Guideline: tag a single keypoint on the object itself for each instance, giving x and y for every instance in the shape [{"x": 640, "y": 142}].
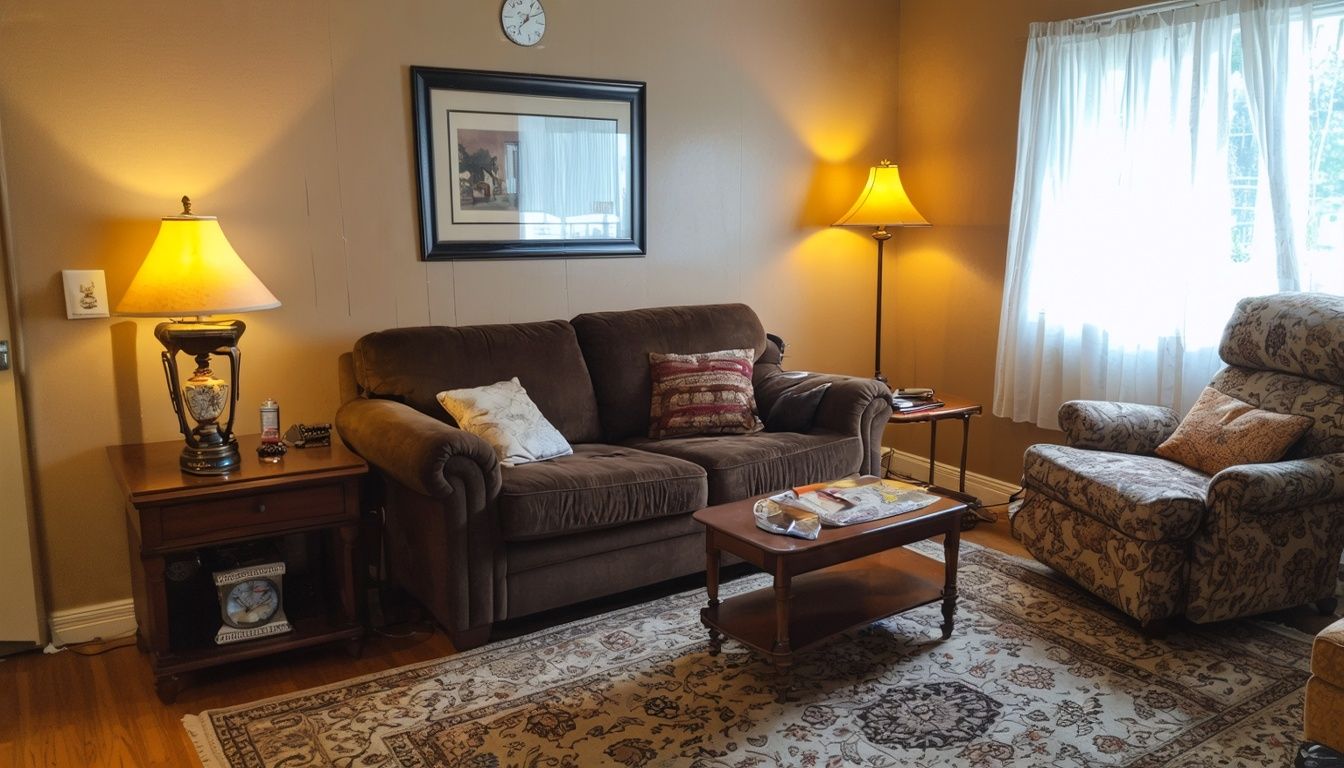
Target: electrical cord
[{"x": 100, "y": 645}]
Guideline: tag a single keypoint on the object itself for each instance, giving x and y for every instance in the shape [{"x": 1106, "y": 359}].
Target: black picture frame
[{"x": 484, "y": 213}]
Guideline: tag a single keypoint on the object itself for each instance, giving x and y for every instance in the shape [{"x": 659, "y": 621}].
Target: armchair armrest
[
  {"x": 1281, "y": 485},
  {"x": 1118, "y": 427},
  {"x": 416, "y": 450}
]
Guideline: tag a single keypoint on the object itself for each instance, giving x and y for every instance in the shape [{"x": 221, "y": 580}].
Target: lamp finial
[
  {"x": 884, "y": 164},
  {"x": 186, "y": 205}
]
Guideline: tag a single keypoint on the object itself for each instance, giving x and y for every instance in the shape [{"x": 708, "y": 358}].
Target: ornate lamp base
[
  {"x": 210, "y": 460},
  {"x": 211, "y": 448}
]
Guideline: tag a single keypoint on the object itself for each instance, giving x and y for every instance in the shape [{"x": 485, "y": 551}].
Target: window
[{"x": 1169, "y": 164}]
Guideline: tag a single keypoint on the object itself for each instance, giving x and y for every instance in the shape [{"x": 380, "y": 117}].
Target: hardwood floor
[{"x": 68, "y": 709}]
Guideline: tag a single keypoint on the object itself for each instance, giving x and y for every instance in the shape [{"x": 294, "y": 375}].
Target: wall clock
[
  {"x": 524, "y": 21},
  {"x": 251, "y": 602}
]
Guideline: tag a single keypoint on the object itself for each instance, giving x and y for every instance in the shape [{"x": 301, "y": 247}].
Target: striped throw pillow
[{"x": 703, "y": 394}]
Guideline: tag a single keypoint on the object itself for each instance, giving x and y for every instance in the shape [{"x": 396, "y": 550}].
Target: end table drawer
[{"x": 260, "y": 513}]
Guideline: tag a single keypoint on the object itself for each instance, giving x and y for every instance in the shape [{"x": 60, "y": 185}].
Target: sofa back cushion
[
  {"x": 413, "y": 365},
  {"x": 1285, "y": 353},
  {"x": 616, "y": 346}
]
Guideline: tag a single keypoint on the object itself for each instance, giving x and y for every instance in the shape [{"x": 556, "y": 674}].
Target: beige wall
[
  {"x": 960, "y": 65},
  {"x": 290, "y": 121}
]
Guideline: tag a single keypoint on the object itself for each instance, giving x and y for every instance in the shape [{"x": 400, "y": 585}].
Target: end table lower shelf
[{"x": 306, "y": 632}]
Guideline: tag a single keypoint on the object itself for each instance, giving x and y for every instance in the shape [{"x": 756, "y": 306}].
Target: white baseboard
[
  {"x": 990, "y": 490},
  {"x": 92, "y": 622}
]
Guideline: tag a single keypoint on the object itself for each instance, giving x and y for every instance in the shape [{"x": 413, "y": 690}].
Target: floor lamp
[{"x": 882, "y": 203}]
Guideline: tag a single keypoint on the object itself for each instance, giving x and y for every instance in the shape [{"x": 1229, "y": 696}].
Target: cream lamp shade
[
  {"x": 191, "y": 270},
  {"x": 883, "y": 202}
]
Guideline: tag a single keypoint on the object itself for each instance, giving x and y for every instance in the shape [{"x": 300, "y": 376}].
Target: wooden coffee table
[{"x": 848, "y": 577}]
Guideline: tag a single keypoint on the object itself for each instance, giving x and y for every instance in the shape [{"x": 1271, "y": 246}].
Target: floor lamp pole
[{"x": 881, "y": 235}]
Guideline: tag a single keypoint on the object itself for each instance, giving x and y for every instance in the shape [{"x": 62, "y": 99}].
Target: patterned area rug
[{"x": 1036, "y": 674}]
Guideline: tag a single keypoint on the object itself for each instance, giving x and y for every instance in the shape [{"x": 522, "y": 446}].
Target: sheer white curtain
[{"x": 1164, "y": 171}]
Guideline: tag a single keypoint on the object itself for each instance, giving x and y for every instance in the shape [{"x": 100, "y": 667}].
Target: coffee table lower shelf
[{"x": 829, "y": 601}]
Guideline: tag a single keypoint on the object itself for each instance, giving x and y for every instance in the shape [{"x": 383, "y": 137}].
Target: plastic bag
[{"x": 776, "y": 518}]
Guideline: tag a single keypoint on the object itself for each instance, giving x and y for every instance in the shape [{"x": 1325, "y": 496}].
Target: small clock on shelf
[
  {"x": 251, "y": 602},
  {"x": 524, "y": 21}
]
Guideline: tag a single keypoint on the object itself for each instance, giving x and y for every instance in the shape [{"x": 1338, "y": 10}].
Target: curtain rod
[
  {"x": 1179, "y": 5},
  {"x": 1144, "y": 10}
]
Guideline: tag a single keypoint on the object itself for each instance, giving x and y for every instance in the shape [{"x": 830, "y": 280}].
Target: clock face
[
  {"x": 524, "y": 21},
  {"x": 251, "y": 603}
]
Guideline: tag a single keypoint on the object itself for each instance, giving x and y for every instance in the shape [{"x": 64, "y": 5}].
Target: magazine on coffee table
[{"x": 853, "y": 500}]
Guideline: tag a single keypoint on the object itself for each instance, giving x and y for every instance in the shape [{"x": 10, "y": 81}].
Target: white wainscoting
[
  {"x": 92, "y": 622},
  {"x": 990, "y": 490}
]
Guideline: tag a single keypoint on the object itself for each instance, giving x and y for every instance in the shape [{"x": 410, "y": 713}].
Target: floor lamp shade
[
  {"x": 190, "y": 273},
  {"x": 882, "y": 203}
]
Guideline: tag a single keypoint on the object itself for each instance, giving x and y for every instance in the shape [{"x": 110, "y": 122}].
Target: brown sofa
[{"x": 477, "y": 543}]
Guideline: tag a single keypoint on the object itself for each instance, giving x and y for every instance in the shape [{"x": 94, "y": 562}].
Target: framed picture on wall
[
  {"x": 528, "y": 166},
  {"x": 85, "y": 293}
]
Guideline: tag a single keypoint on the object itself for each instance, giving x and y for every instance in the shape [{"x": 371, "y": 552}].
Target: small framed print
[{"x": 85, "y": 293}]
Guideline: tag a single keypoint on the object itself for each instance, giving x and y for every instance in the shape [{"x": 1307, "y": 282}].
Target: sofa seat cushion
[
  {"x": 529, "y": 555},
  {"x": 1148, "y": 498},
  {"x": 740, "y": 466},
  {"x": 599, "y": 486}
]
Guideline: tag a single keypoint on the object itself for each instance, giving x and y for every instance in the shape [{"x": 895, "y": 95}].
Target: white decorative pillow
[{"x": 505, "y": 417}]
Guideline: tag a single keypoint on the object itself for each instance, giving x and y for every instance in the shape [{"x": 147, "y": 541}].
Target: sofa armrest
[
  {"x": 1118, "y": 427},
  {"x": 852, "y": 405},
  {"x": 848, "y": 404},
  {"x": 416, "y": 450},
  {"x": 1278, "y": 486}
]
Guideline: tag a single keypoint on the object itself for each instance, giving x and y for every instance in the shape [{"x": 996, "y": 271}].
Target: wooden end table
[
  {"x": 847, "y": 577},
  {"x": 953, "y": 408},
  {"x": 313, "y": 492}
]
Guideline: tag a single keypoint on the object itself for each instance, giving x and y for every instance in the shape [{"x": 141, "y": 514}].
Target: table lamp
[
  {"x": 882, "y": 203},
  {"x": 191, "y": 273}
]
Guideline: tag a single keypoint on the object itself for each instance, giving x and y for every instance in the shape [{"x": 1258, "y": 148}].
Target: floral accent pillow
[
  {"x": 505, "y": 417},
  {"x": 1222, "y": 431},
  {"x": 703, "y": 394}
]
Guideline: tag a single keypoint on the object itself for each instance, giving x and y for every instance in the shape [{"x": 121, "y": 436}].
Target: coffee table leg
[
  {"x": 782, "y": 652},
  {"x": 951, "y": 547},
  {"x": 712, "y": 586}
]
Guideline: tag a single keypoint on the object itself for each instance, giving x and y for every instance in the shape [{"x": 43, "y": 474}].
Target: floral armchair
[{"x": 1157, "y": 539}]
